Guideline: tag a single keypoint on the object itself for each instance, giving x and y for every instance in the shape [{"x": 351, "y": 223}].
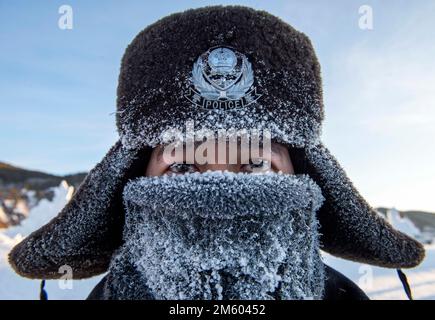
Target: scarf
[{"x": 219, "y": 235}]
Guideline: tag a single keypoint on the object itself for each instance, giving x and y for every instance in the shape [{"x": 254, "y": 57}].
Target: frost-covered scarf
[{"x": 219, "y": 235}]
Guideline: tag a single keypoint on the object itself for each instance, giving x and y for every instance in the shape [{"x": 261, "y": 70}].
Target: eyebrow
[{"x": 274, "y": 148}]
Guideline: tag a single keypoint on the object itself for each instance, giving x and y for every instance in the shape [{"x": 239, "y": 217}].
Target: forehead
[{"x": 276, "y": 149}]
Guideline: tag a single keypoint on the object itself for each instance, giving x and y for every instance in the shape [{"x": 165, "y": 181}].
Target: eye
[
  {"x": 180, "y": 168},
  {"x": 257, "y": 166}
]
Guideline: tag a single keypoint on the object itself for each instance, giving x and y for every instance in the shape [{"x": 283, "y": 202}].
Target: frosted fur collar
[{"x": 219, "y": 236}]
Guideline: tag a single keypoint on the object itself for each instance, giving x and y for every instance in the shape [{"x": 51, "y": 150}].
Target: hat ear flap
[
  {"x": 350, "y": 228},
  {"x": 88, "y": 229}
]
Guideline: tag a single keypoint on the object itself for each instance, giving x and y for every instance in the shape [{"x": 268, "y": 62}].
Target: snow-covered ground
[
  {"x": 381, "y": 283},
  {"x": 384, "y": 284},
  {"x": 378, "y": 283}
]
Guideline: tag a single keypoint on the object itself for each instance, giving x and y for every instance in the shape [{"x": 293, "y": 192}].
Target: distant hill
[
  {"x": 15, "y": 182},
  {"x": 15, "y": 177},
  {"x": 421, "y": 219}
]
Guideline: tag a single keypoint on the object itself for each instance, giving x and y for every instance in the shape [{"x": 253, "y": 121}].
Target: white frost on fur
[{"x": 219, "y": 235}]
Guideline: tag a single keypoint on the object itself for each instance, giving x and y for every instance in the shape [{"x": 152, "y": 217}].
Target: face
[{"x": 276, "y": 159}]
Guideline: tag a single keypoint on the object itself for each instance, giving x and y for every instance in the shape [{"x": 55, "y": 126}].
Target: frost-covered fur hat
[{"x": 222, "y": 67}]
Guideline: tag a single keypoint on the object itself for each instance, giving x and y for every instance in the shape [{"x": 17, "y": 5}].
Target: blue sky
[{"x": 58, "y": 87}]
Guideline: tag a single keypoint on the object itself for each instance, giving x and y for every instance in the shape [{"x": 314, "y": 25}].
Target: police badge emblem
[{"x": 222, "y": 79}]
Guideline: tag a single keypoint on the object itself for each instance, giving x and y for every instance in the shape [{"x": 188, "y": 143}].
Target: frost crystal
[{"x": 219, "y": 235}]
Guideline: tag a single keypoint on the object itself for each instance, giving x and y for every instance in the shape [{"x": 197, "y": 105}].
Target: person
[{"x": 219, "y": 186}]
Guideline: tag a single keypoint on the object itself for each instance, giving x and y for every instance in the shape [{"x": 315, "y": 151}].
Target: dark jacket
[{"x": 337, "y": 287}]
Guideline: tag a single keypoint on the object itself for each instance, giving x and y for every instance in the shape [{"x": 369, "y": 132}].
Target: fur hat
[{"x": 224, "y": 67}]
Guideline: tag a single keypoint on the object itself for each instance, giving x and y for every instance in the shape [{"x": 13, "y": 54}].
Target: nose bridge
[{"x": 221, "y": 167}]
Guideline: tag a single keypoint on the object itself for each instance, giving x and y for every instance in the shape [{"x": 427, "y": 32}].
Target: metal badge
[{"x": 222, "y": 79}]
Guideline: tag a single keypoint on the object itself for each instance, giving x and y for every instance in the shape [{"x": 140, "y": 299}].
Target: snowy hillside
[
  {"x": 16, "y": 287},
  {"x": 378, "y": 283}
]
